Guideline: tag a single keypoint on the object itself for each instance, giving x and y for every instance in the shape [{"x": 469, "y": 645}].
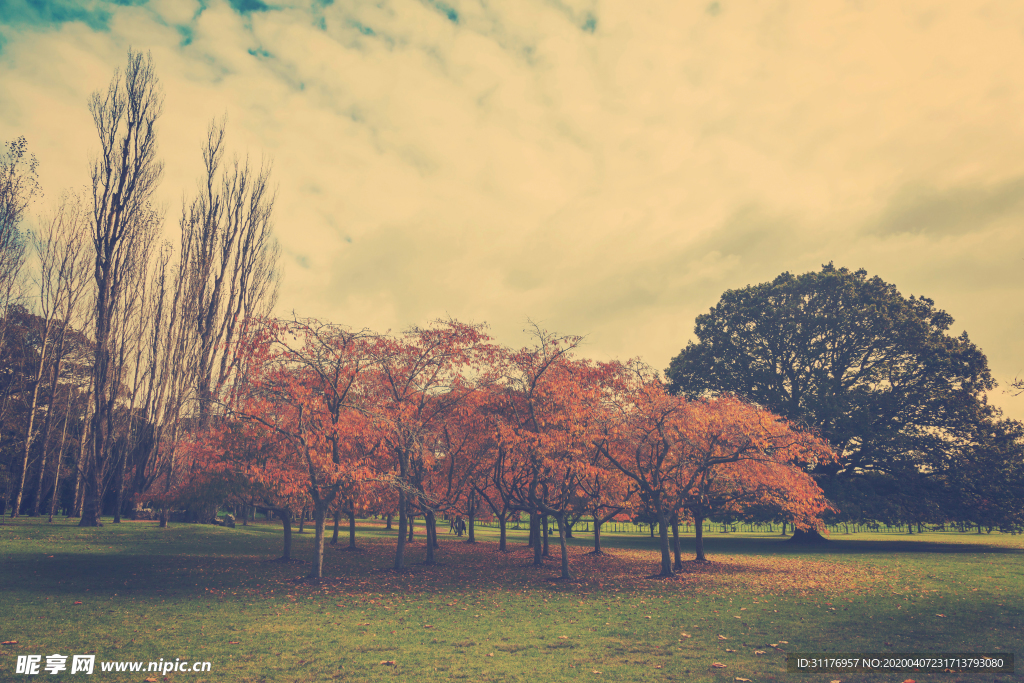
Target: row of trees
[
  {"x": 113, "y": 340},
  {"x": 441, "y": 421}
]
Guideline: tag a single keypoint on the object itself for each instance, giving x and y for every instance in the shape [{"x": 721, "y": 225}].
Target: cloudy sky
[{"x": 604, "y": 168}]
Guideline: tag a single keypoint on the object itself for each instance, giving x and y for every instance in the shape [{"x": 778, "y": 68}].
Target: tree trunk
[
  {"x": 532, "y": 539},
  {"x": 538, "y": 554},
  {"x": 676, "y": 551},
  {"x": 302, "y": 521},
  {"x": 502, "y": 521},
  {"x": 783, "y": 528},
  {"x": 33, "y": 404},
  {"x": 471, "y": 528},
  {"x": 666, "y": 557},
  {"x": 388, "y": 527},
  {"x": 544, "y": 535},
  {"x": 562, "y": 531},
  {"x": 412, "y": 526},
  {"x": 337, "y": 523},
  {"x": 698, "y": 527},
  {"x": 60, "y": 457},
  {"x": 806, "y": 536},
  {"x": 597, "y": 537},
  {"x": 400, "y": 549},
  {"x": 352, "y": 529},
  {"x": 428, "y": 518},
  {"x": 319, "y": 518}
]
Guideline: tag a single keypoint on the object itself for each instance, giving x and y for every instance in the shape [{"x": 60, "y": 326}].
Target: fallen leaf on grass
[
  {"x": 234, "y": 642},
  {"x": 686, "y": 635},
  {"x": 9, "y": 642},
  {"x": 784, "y": 641},
  {"x": 388, "y": 662},
  {"x": 737, "y": 617},
  {"x": 595, "y": 672},
  {"x": 728, "y": 650},
  {"x": 718, "y": 665},
  {"x": 721, "y": 637},
  {"x": 941, "y": 615},
  {"x": 835, "y": 682},
  {"x": 758, "y": 652},
  {"x": 150, "y": 680},
  {"x": 910, "y": 680},
  {"x": 563, "y": 637},
  {"x": 490, "y": 654},
  {"x": 77, "y": 602},
  {"x": 648, "y": 616},
  {"x": 657, "y": 666},
  {"x": 742, "y": 680},
  {"x": 427, "y": 626}
]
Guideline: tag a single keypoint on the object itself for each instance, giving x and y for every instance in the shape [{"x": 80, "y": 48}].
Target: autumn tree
[
  {"x": 550, "y": 425},
  {"x": 419, "y": 379},
  {"x": 734, "y": 455},
  {"x": 303, "y": 380}
]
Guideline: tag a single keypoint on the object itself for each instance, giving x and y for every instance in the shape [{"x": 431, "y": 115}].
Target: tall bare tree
[
  {"x": 233, "y": 260},
  {"x": 124, "y": 177}
]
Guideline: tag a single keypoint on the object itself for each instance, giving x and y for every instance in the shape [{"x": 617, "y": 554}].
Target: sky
[{"x": 605, "y": 169}]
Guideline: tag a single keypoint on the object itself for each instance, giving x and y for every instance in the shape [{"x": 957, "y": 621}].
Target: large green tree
[{"x": 876, "y": 373}]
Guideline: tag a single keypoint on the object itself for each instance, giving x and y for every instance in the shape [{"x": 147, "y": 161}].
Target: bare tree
[
  {"x": 233, "y": 260},
  {"x": 58, "y": 245},
  {"x": 18, "y": 184},
  {"x": 124, "y": 177}
]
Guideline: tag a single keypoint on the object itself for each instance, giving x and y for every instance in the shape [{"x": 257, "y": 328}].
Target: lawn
[{"x": 135, "y": 592}]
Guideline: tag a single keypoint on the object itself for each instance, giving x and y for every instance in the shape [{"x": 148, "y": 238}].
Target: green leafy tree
[{"x": 877, "y": 374}]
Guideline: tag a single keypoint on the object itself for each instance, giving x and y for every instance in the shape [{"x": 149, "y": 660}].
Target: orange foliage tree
[
  {"x": 420, "y": 381},
  {"x": 303, "y": 380},
  {"x": 702, "y": 456},
  {"x": 550, "y": 427}
]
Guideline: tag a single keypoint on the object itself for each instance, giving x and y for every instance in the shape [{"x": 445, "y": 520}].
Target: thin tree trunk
[
  {"x": 666, "y": 556},
  {"x": 538, "y": 552},
  {"x": 428, "y": 517},
  {"x": 676, "y": 551},
  {"x": 471, "y": 528},
  {"x": 352, "y": 529},
  {"x": 400, "y": 549},
  {"x": 544, "y": 535},
  {"x": 412, "y": 526},
  {"x": 302, "y": 521},
  {"x": 60, "y": 456},
  {"x": 388, "y": 527},
  {"x": 33, "y": 404},
  {"x": 698, "y": 525},
  {"x": 562, "y": 531},
  {"x": 319, "y": 517},
  {"x": 597, "y": 537},
  {"x": 502, "y": 522},
  {"x": 337, "y": 523}
]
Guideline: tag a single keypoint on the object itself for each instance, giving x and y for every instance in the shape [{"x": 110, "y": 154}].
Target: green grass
[{"x": 212, "y": 594}]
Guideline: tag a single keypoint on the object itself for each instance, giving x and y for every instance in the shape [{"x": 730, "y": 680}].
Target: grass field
[{"x": 206, "y": 593}]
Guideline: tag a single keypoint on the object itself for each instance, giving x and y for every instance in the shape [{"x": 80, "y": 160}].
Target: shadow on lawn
[{"x": 836, "y": 545}]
